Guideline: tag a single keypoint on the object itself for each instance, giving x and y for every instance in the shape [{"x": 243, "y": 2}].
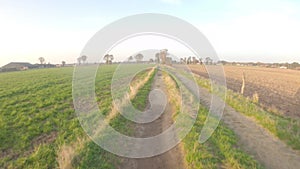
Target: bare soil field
[{"x": 278, "y": 89}]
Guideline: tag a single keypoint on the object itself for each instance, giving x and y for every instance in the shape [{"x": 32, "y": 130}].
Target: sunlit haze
[{"x": 239, "y": 30}]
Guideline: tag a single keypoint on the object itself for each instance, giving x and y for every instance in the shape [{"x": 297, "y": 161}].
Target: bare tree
[
  {"x": 163, "y": 55},
  {"x": 108, "y": 58},
  {"x": 208, "y": 61},
  {"x": 83, "y": 58},
  {"x": 42, "y": 60},
  {"x": 130, "y": 58},
  {"x": 139, "y": 57},
  {"x": 200, "y": 61},
  {"x": 168, "y": 60},
  {"x": 195, "y": 61},
  {"x": 111, "y": 59},
  {"x": 189, "y": 61},
  {"x": 157, "y": 58},
  {"x": 79, "y": 60},
  {"x": 181, "y": 60}
]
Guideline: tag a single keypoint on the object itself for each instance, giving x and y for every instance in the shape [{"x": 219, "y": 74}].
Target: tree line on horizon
[{"x": 163, "y": 57}]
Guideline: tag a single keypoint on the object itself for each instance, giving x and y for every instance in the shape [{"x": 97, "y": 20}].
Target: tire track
[{"x": 172, "y": 159}]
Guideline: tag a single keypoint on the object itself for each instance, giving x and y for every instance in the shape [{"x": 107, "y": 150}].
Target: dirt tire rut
[{"x": 172, "y": 159}]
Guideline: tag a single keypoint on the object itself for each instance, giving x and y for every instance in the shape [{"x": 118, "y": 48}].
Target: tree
[
  {"x": 200, "y": 61},
  {"x": 208, "y": 60},
  {"x": 294, "y": 65},
  {"x": 130, "y": 58},
  {"x": 83, "y": 58},
  {"x": 163, "y": 55},
  {"x": 111, "y": 59},
  {"x": 195, "y": 61},
  {"x": 157, "y": 58},
  {"x": 185, "y": 61},
  {"x": 189, "y": 61},
  {"x": 42, "y": 60},
  {"x": 79, "y": 60},
  {"x": 63, "y": 63},
  {"x": 108, "y": 58},
  {"x": 139, "y": 57},
  {"x": 181, "y": 60}
]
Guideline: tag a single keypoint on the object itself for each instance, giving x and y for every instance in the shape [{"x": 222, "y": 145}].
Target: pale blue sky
[{"x": 240, "y": 30}]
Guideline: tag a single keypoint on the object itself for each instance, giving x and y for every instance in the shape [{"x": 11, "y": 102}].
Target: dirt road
[{"x": 172, "y": 159}]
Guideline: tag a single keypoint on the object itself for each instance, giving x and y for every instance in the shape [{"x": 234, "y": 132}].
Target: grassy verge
[
  {"x": 141, "y": 98},
  {"x": 220, "y": 151},
  {"x": 285, "y": 128}
]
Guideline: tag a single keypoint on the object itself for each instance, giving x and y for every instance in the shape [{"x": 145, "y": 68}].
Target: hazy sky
[{"x": 239, "y": 30}]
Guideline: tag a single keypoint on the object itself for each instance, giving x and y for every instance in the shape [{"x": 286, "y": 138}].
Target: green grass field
[
  {"x": 37, "y": 117},
  {"x": 35, "y": 104},
  {"x": 39, "y": 127}
]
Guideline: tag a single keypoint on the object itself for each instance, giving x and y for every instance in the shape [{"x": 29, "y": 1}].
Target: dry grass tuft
[
  {"x": 67, "y": 152},
  {"x": 173, "y": 93},
  {"x": 255, "y": 98}
]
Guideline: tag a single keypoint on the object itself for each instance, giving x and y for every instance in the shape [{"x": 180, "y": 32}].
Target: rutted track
[{"x": 173, "y": 158}]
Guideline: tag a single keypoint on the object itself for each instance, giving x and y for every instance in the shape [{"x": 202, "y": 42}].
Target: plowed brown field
[{"x": 278, "y": 89}]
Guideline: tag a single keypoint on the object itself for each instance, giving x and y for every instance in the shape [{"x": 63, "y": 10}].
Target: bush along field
[{"x": 219, "y": 151}]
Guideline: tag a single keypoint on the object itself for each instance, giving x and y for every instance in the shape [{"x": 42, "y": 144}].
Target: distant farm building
[
  {"x": 44, "y": 65},
  {"x": 16, "y": 66}
]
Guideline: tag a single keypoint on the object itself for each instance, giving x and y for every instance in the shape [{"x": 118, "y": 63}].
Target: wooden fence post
[{"x": 243, "y": 83}]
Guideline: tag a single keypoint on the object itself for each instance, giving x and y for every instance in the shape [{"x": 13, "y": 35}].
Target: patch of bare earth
[
  {"x": 276, "y": 88},
  {"x": 172, "y": 159}
]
